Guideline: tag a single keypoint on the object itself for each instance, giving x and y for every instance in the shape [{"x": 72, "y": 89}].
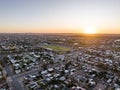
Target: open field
[{"x": 57, "y": 48}]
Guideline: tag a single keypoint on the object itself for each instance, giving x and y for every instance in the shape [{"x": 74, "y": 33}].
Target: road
[
  {"x": 26, "y": 73},
  {"x": 12, "y": 81}
]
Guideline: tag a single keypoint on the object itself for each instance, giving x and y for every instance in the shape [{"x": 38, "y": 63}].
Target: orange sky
[{"x": 59, "y": 16}]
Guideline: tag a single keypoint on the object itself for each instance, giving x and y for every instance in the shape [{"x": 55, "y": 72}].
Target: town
[{"x": 59, "y": 62}]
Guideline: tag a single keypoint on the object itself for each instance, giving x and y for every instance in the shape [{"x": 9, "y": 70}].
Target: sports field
[{"x": 57, "y": 48}]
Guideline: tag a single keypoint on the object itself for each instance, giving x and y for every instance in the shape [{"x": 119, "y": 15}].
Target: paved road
[
  {"x": 12, "y": 81},
  {"x": 15, "y": 84},
  {"x": 26, "y": 73}
]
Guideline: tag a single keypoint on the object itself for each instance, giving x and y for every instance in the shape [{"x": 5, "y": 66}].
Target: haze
[{"x": 59, "y": 16}]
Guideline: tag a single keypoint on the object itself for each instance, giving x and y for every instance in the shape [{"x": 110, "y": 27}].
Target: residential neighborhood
[{"x": 59, "y": 62}]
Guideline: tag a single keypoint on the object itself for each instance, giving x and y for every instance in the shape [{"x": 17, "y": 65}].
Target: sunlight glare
[{"x": 90, "y": 30}]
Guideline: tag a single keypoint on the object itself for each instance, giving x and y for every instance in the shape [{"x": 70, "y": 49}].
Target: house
[
  {"x": 50, "y": 70},
  {"x": 1, "y": 76}
]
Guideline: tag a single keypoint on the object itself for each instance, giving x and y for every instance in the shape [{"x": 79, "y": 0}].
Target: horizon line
[{"x": 57, "y": 33}]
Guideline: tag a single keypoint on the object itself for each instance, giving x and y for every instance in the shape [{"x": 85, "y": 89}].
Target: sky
[{"x": 59, "y": 16}]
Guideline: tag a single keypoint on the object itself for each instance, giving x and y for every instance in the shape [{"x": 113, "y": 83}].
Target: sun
[{"x": 90, "y": 30}]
